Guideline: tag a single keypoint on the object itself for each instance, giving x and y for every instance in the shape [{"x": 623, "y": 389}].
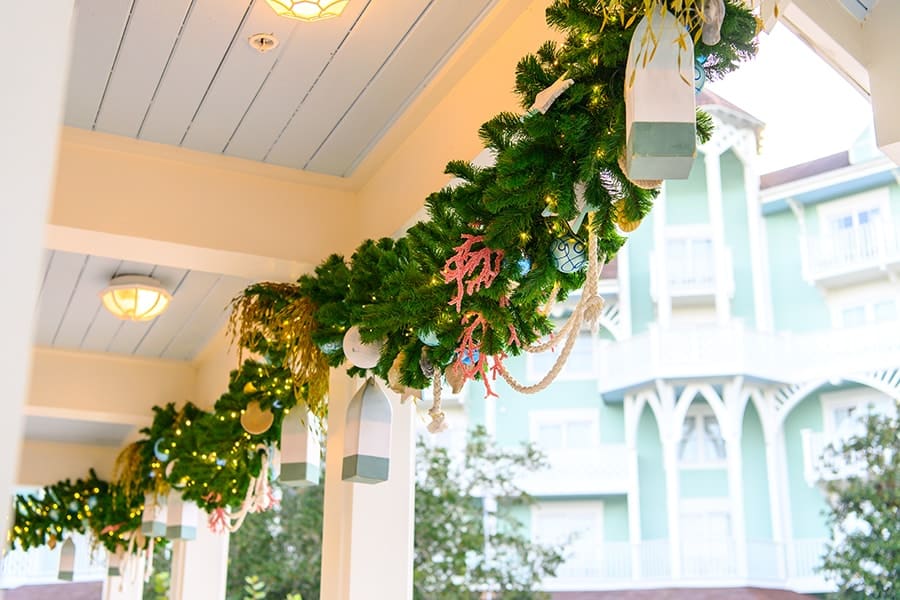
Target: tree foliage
[
  {"x": 864, "y": 511},
  {"x": 282, "y": 547}
]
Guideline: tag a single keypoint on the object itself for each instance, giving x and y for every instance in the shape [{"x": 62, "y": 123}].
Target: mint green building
[{"x": 749, "y": 321}]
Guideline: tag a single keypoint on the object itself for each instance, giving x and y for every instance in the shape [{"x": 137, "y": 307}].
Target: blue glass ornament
[
  {"x": 276, "y": 404},
  {"x": 428, "y": 337},
  {"x": 470, "y": 359},
  {"x": 221, "y": 462},
  {"x": 699, "y": 74},
  {"x": 92, "y": 502},
  {"x": 330, "y": 347},
  {"x": 160, "y": 454},
  {"x": 569, "y": 254},
  {"x": 524, "y": 265}
]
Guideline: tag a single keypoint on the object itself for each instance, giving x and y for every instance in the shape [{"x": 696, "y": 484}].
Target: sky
[{"x": 809, "y": 110}]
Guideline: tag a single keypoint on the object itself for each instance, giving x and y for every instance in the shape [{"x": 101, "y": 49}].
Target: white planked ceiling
[
  {"x": 71, "y": 316},
  {"x": 181, "y": 72}
]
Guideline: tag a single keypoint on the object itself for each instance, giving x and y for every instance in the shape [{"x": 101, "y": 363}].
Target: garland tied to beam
[{"x": 448, "y": 301}]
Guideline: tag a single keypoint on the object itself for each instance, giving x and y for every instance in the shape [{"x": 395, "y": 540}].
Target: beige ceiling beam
[
  {"x": 153, "y": 203},
  {"x": 865, "y": 53},
  {"x": 105, "y": 388},
  {"x": 45, "y": 463}
]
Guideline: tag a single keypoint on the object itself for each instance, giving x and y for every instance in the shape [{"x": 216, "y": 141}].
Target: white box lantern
[
  {"x": 114, "y": 563},
  {"x": 182, "y": 517},
  {"x": 67, "y": 560},
  {"x": 300, "y": 462},
  {"x": 154, "y": 519},
  {"x": 660, "y": 108},
  {"x": 367, "y": 437}
]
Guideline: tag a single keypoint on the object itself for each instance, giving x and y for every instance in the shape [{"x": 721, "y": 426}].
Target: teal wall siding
[
  {"x": 807, "y": 503},
  {"x": 703, "y": 483},
  {"x": 615, "y": 519},
  {"x": 757, "y": 512},
  {"x": 737, "y": 236},
  {"x": 797, "y": 305},
  {"x": 651, "y": 479},
  {"x": 686, "y": 201},
  {"x": 640, "y": 244}
]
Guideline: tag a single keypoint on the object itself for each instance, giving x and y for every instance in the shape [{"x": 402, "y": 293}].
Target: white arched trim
[{"x": 708, "y": 393}]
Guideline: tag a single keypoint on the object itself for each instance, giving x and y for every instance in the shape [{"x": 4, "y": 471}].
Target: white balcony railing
[
  {"x": 689, "y": 279},
  {"x": 867, "y": 246},
  {"x": 40, "y": 566},
  {"x": 717, "y": 350},
  {"x": 599, "y": 470},
  {"x": 610, "y": 565}
]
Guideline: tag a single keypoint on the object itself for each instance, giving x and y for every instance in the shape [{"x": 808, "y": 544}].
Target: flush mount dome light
[
  {"x": 135, "y": 298},
  {"x": 308, "y": 10}
]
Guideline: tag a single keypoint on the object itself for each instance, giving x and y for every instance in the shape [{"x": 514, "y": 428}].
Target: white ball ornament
[
  {"x": 569, "y": 254},
  {"x": 360, "y": 354}
]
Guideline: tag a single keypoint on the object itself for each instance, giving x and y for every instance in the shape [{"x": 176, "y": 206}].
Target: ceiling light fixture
[
  {"x": 135, "y": 298},
  {"x": 308, "y": 10}
]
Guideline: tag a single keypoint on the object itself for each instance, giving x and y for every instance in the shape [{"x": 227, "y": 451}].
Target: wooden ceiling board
[
  {"x": 85, "y": 302},
  {"x": 303, "y": 60},
  {"x": 367, "y": 48},
  {"x": 187, "y": 300},
  {"x": 207, "y": 35},
  {"x": 143, "y": 55},
  {"x": 129, "y": 336},
  {"x": 103, "y": 329},
  {"x": 196, "y": 333},
  {"x": 403, "y": 76},
  {"x": 237, "y": 82},
  {"x": 63, "y": 273},
  {"x": 99, "y": 26}
]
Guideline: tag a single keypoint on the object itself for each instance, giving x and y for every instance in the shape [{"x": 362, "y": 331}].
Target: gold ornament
[
  {"x": 255, "y": 420},
  {"x": 52, "y": 542},
  {"x": 624, "y": 223},
  {"x": 250, "y": 388}
]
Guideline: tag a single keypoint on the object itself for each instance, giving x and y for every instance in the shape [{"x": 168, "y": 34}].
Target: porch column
[
  {"x": 200, "y": 566},
  {"x": 732, "y": 432},
  {"x": 31, "y": 110},
  {"x": 367, "y": 537},
  {"x": 670, "y": 462},
  {"x": 129, "y": 586},
  {"x": 634, "y": 496},
  {"x": 773, "y": 472},
  {"x": 661, "y": 268}
]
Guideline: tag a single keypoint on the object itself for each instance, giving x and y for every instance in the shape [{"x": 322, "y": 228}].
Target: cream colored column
[
  {"x": 130, "y": 586},
  {"x": 367, "y": 537},
  {"x": 200, "y": 566},
  {"x": 34, "y": 56}
]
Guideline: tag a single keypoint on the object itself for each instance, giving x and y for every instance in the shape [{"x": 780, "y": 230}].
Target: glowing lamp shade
[
  {"x": 135, "y": 298},
  {"x": 308, "y": 10}
]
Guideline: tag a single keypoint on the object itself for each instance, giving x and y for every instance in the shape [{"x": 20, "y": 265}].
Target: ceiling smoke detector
[{"x": 263, "y": 42}]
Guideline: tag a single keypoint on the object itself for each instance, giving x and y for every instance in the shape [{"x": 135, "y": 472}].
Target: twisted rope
[
  {"x": 437, "y": 415},
  {"x": 589, "y": 308}
]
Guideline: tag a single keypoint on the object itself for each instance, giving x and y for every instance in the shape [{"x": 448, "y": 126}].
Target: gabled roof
[
  {"x": 722, "y": 107},
  {"x": 805, "y": 170}
]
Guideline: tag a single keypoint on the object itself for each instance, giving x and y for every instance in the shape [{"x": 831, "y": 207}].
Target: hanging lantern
[
  {"x": 367, "y": 437},
  {"x": 154, "y": 521},
  {"x": 182, "y": 517},
  {"x": 67, "y": 561},
  {"x": 114, "y": 563},
  {"x": 660, "y": 111},
  {"x": 300, "y": 463}
]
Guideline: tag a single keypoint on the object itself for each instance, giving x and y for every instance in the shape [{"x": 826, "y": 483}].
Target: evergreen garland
[{"x": 473, "y": 278}]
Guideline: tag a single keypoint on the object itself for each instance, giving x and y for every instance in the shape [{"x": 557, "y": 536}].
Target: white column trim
[
  {"x": 732, "y": 398},
  {"x": 663, "y": 298},
  {"x": 669, "y": 436},
  {"x": 716, "y": 219},
  {"x": 633, "y": 408},
  {"x": 625, "y": 324},
  {"x": 762, "y": 299}
]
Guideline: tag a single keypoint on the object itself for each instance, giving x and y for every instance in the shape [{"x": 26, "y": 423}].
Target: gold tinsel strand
[
  {"x": 290, "y": 325},
  {"x": 127, "y": 470}
]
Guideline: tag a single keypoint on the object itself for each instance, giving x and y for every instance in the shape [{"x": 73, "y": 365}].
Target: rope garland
[{"x": 438, "y": 424}]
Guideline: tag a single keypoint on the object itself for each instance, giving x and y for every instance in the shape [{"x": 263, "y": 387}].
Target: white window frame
[
  {"x": 688, "y": 233},
  {"x": 698, "y": 410},
  {"x": 867, "y": 304},
  {"x": 856, "y": 398},
  {"x": 536, "y": 418},
  {"x": 879, "y": 198},
  {"x": 590, "y": 508}
]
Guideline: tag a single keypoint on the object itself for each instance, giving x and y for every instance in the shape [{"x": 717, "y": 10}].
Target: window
[
  {"x": 576, "y": 525},
  {"x": 868, "y": 312},
  {"x": 579, "y": 366},
  {"x": 565, "y": 429},
  {"x": 701, "y": 438},
  {"x": 855, "y": 229},
  {"x": 845, "y": 412},
  {"x": 689, "y": 260}
]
